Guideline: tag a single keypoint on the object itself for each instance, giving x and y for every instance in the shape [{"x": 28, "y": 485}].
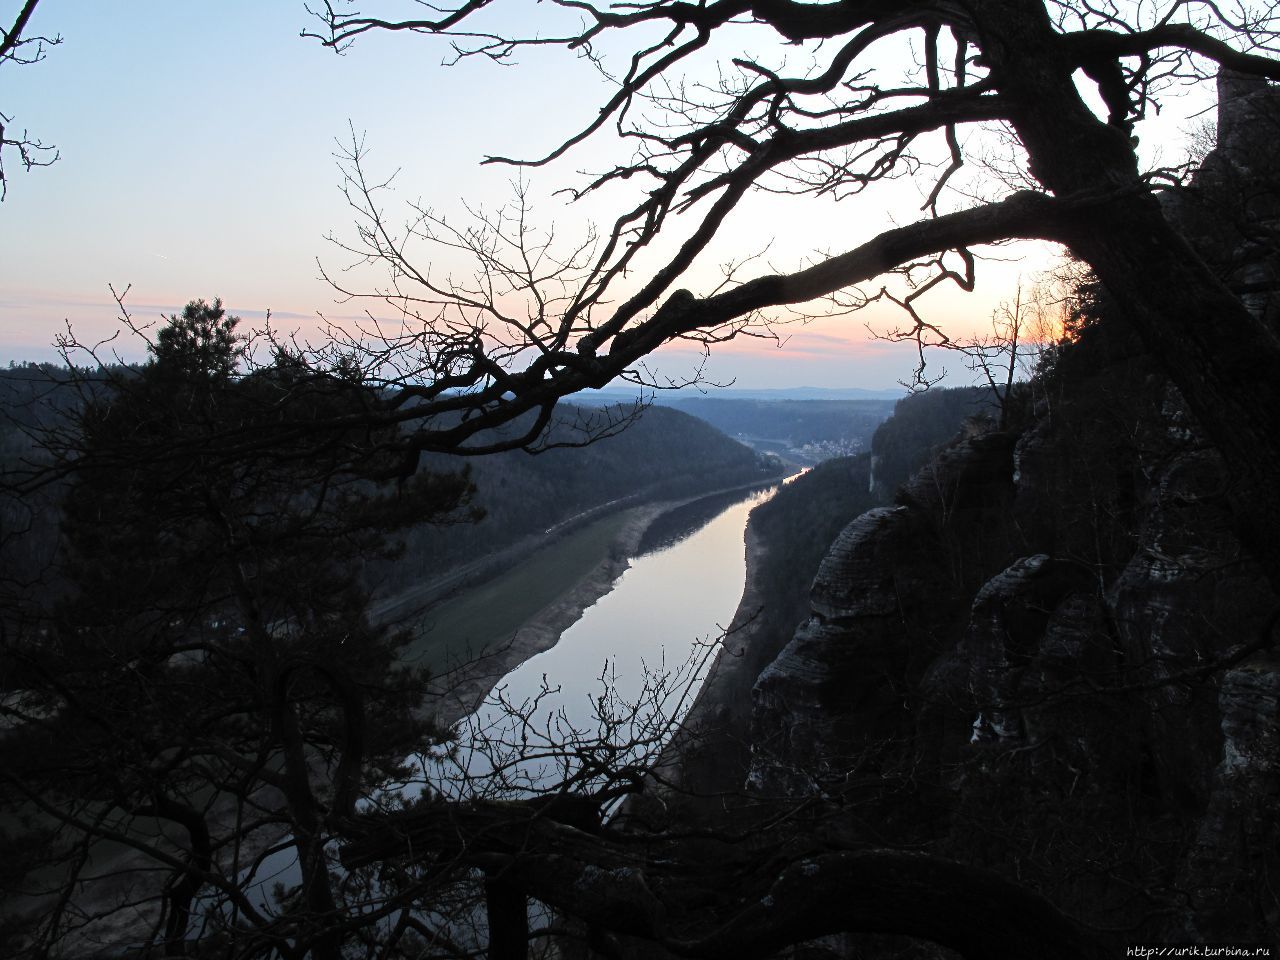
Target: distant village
[{"x": 805, "y": 453}]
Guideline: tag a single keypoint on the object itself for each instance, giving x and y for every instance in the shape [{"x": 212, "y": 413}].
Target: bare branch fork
[
  {"x": 1008, "y": 62},
  {"x": 19, "y": 48}
]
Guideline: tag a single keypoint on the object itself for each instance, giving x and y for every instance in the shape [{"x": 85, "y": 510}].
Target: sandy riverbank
[{"x": 460, "y": 692}]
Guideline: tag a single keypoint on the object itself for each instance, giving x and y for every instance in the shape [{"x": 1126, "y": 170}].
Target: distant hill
[
  {"x": 669, "y": 397},
  {"x": 665, "y": 454},
  {"x": 801, "y": 431},
  {"x": 803, "y": 425}
]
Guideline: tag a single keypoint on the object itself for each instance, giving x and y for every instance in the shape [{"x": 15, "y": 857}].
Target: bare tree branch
[{"x": 18, "y": 48}]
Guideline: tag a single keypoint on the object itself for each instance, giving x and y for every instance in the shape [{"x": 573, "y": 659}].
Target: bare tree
[
  {"x": 17, "y": 46},
  {"x": 208, "y": 747},
  {"x": 840, "y": 124}
]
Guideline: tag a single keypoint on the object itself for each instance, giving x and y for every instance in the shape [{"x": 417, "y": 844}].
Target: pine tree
[{"x": 211, "y": 685}]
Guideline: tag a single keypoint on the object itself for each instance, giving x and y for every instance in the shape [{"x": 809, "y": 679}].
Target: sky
[{"x": 197, "y": 148}]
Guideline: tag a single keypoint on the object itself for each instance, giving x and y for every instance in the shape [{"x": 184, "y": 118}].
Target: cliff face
[
  {"x": 1052, "y": 658},
  {"x": 884, "y": 601},
  {"x": 1233, "y": 207}
]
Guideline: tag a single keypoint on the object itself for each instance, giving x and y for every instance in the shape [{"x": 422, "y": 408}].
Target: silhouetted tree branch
[
  {"x": 841, "y": 125},
  {"x": 754, "y": 900},
  {"x": 18, "y": 46}
]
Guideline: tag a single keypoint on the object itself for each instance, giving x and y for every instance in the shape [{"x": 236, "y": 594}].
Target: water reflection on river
[
  {"x": 626, "y": 659},
  {"x": 634, "y": 658}
]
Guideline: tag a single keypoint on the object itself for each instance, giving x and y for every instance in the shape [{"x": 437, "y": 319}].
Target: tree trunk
[
  {"x": 507, "y": 910},
  {"x": 766, "y": 899},
  {"x": 1224, "y": 360}
]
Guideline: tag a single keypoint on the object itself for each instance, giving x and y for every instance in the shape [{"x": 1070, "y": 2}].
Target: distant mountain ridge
[
  {"x": 802, "y": 425},
  {"x": 666, "y": 397}
]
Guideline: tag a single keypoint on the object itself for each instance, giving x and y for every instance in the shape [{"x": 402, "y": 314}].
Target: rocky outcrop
[
  {"x": 1054, "y": 658},
  {"x": 894, "y": 583},
  {"x": 1232, "y": 207},
  {"x": 1235, "y": 851},
  {"x": 1029, "y": 664},
  {"x": 852, "y": 649}
]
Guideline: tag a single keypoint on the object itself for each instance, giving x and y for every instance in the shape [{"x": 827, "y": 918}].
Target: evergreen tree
[{"x": 211, "y": 686}]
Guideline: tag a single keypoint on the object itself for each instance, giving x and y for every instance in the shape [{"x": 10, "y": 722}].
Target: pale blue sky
[{"x": 197, "y": 145}]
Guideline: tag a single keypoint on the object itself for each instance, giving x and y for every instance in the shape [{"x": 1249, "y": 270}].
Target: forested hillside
[
  {"x": 921, "y": 422},
  {"x": 665, "y": 454},
  {"x": 805, "y": 431},
  {"x": 32, "y": 397}
]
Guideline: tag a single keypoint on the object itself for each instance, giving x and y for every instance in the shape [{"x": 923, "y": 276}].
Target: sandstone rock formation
[{"x": 1053, "y": 657}]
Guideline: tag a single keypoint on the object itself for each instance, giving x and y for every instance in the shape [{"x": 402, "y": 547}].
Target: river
[{"x": 609, "y": 688}]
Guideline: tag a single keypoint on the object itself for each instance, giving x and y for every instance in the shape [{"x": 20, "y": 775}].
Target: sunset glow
[{"x": 197, "y": 161}]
